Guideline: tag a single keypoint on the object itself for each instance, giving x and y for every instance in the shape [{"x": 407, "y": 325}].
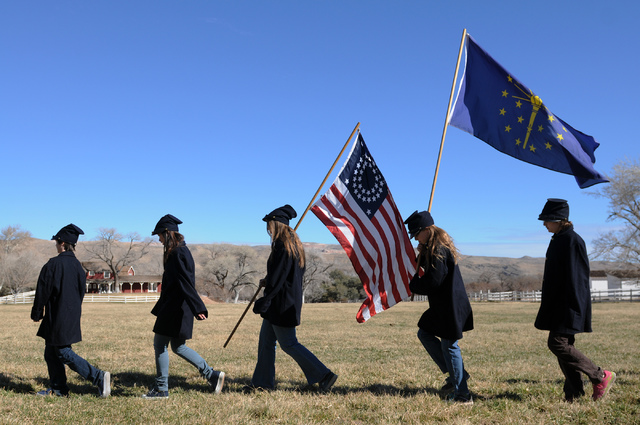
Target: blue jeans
[
  {"x": 265, "y": 373},
  {"x": 160, "y": 344},
  {"x": 446, "y": 355},
  {"x": 58, "y": 357}
]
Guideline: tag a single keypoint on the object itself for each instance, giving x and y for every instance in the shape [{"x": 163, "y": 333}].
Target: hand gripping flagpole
[
  {"x": 446, "y": 121},
  {"x": 444, "y": 133},
  {"x": 296, "y": 228}
]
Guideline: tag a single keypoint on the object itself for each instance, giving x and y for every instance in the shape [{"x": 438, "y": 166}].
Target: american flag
[{"x": 360, "y": 212}]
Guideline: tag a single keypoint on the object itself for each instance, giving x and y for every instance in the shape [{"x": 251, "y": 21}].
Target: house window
[
  {"x": 107, "y": 275},
  {"x": 92, "y": 273}
]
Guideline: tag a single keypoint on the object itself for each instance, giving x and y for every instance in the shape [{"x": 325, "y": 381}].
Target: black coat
[
  {"x": 566, "y": 297},
  {"x": 449, "y": 312},
  {"x": 179, "y": 301},
  {"x": 282, "y": 300},
  {"x": 58, "y": 301}
]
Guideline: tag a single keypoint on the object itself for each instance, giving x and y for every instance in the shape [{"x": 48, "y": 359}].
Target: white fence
[
  {"x": 611, "y": 295},
  {"x": 526, "y": 296},
  {"x": 27, "y": 298}
]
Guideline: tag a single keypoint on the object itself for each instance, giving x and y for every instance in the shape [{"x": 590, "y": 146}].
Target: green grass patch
[{"x": 385, "y": 376}]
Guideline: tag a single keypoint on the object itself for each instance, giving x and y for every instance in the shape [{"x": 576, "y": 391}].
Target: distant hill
[{"x": 472, "y": 268}]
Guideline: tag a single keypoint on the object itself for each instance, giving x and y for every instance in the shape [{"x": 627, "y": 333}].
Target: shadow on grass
[
  {"x": 521, "y": 381},
  {"x": 297, "y": 386},
  {"x": 507, "y": 395},
  {"x": 128, "y": 384},
  {"x": 15, "y": 384},
  {"x": 124, "y": 384}
]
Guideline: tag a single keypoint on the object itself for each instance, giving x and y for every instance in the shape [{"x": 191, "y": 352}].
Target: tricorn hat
[
  {"x": 168, "y": 222},
  {"x": 282, "y": 214},
  {"x": 418, "y": 221},
  {"x": 555, "y": 210},
  {"x": 68, "y": 234}
]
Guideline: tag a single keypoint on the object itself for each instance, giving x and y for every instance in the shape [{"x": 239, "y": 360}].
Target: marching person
[
  {"x": 565, "y": 309},
  {"x": 179, "y": 303},
  {"x": 281, "y": 305},
  {"x": 58, "y": 303},
  {"x": 449, "y": 313}
]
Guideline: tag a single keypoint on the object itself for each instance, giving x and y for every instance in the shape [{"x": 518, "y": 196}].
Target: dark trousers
[
  {"x": 58, "y": 357},
  {"x": 572, "y": 362}
]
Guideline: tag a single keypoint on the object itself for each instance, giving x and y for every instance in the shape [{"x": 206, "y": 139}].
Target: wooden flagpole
[
  {"x": 444, "y": 133},
  {"x": 327, "y": 176},
  {"x": 446, "y": 120},
  {"x": 296, "y": 228}
]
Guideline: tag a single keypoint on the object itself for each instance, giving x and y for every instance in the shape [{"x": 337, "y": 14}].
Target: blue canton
[{"x": 363, "y": 179}]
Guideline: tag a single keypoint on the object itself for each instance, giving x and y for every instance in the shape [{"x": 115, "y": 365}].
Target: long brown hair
[
  {"x": 439, "y": 238},
  {"x": 66, "y": 246},
  {"x": 171, "y": 241},
  {"x": 291, "y": 241},
  {"x": 565, "y": 224}
]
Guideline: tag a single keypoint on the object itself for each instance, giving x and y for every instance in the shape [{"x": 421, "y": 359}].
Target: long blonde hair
[
  {"x": 291, "y": 241},
  {"x": 439, "y": 238}
]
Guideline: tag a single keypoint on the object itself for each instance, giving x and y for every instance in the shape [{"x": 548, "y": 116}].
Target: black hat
[
  {"x": 555, "y": 210},
  {"x": 418, "y": 221},
  {"x": 168, "y": 222},
  {"x": 68, "y": 234},
  {"x": 282, "y": 214}
]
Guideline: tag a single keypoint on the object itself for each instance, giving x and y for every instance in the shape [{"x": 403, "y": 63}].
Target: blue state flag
[{"x": 497, "y": 108}]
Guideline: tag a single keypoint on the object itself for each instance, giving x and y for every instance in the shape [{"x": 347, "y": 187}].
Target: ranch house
[{"x": 101, "y": 281}]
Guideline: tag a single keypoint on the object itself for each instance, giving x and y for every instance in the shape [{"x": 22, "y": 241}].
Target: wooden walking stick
[
  {"x": 243, "y": 314},
  {"x": 296, "y": 228}
]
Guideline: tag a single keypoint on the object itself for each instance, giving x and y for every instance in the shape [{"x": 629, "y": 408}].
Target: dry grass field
[{"x": 385, "y": 376}]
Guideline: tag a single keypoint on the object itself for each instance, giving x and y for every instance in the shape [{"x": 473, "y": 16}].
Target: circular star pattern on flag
[{"x": 367, "y": 184}]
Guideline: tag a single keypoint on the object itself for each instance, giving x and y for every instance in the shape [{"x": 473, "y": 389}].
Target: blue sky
[{"x": 115, "y": 113}]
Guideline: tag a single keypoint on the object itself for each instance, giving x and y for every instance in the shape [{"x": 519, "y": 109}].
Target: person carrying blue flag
[{"x": 449, "y": 313}]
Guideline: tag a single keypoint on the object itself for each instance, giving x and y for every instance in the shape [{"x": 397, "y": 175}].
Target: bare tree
[
  {"x": 623, "y": 193},
  {"x": 12, "y": 237},
  {"x": 226, "y": 270},
  {"x": 19, "y": 271},
  {"x": 11, "y": 277},
  {"x": 506, "y": 281},
  {"x": 315, "y": 274},
  {"x": 117, "y": 250}
]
